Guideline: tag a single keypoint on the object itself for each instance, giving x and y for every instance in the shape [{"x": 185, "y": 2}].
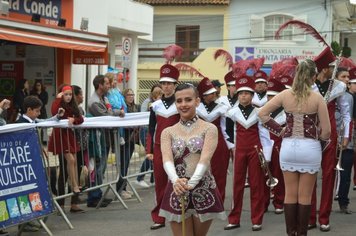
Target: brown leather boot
[
  {"x": 303, "y": 219},
  {"x": 291, "y": 218}
]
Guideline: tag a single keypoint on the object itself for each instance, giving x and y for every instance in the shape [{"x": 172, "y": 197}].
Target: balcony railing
[{"x": 151, "y": 54}]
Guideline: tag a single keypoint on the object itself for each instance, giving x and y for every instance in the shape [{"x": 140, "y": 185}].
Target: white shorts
[{"x": 300, "y": 154}]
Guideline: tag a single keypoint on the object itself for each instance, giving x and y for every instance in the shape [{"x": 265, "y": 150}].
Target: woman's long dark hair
[
  {"x": 72, "y": 105},
  {"x": 34, "y": 90}
]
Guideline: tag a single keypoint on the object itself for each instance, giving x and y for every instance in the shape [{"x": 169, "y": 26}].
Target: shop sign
[
  {"x": 47, "y": 9},
  {"x": 274, "y": 54},
  {"x": 90, "y": 58}
]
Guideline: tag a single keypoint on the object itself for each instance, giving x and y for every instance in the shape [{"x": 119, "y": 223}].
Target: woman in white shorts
[{"x": 307, "y": 130}]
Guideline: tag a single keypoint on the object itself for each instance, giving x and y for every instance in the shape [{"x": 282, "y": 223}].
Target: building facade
[
  {"x": 68, "y": 41},
  {"x": 244, "y": 28}
]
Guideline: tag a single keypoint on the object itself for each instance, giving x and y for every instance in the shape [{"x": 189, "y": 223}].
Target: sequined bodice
[{"x": 193, "y": 144}]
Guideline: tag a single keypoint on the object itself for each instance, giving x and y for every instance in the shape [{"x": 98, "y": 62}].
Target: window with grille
[
  {"x": 263, "y": 28},
  {"x": 188, "y": 38},
  {"x": 271, "y": 25}
]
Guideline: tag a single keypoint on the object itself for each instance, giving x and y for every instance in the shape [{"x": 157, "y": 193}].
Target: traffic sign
[{"x": 126, "y": 46}]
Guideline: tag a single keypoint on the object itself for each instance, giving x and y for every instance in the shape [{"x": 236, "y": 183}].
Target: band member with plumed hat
[
  {"x": 260, "y": 98},
  {"x": 275, "y": 87},
  {"x": 163, "y": 114},
  {"x": 213, "y": 112},
  {"x": 247, "y": 155}
]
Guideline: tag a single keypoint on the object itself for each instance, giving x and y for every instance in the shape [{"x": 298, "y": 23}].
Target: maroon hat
[
  {"x": 352, "y": 73},
  {"x": 274, "y": 87},
  {"x": 324, "y": 59},
  {"x": 230, "y": 78},
  {"x": 205, "y": 87},
  {"x": 260, "y": 76},
  {"x": 286, "y": 80},
  {"x": 169, "y": 73},
  {"x": 245, "y": 83}
]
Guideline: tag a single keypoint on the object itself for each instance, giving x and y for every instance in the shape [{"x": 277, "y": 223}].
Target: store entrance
[{"x": 30, "y": 62}]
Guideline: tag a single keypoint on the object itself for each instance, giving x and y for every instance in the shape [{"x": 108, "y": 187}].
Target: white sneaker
[
  {"x": 278, "y": 211},
  {"x": 128, "y": 192},
  {"x": 125, "y": 195},
  {"x": 256, "y": 227},
  {"x": 325, "y": 228},
  {"x": 142, "y": 184}
]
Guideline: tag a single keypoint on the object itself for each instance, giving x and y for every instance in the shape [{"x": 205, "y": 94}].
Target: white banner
[{"x": 130, "y": 120}]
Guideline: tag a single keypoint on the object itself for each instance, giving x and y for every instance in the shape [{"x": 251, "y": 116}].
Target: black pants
[{"x": 345, "y": 177}]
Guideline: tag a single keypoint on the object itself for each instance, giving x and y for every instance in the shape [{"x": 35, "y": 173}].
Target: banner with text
[
  {"x": 24, "y": 191},
  {"x": 275, "y": 53}
]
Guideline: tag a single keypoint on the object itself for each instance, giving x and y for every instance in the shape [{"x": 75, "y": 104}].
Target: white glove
[
  {"x": 198, "y": 175},
  {"x": 171, "y": 171}
]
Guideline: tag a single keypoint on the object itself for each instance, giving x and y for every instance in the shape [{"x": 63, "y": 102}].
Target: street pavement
[{"x": 115, "y": 220}]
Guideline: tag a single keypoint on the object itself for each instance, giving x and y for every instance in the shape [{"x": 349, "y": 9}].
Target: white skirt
[{"x": 300, "y": 154}]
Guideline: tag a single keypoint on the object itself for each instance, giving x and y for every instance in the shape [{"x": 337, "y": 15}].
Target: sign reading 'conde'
[{"x": 45, "y": 8}]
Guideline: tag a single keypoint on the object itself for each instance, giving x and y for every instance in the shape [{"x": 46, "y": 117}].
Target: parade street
[{"x": 115, "y": 220}]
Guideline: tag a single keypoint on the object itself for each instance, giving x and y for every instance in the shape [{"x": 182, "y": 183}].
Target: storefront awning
[{"x": 57, "y": 41}]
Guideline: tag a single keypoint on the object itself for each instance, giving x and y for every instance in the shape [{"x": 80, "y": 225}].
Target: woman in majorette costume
[
  {"x": 280, "y": 79},
  {"x": 187, "y": 149},
  {"x": 300, "y": 156},
  {"x": 332, "y": 90}
]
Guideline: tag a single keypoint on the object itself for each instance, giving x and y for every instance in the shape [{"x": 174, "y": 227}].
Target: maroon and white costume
[
  {"x": 246, "y": 156},
  {"x": 163, "y": 114},
  {"x": 329, "y": 160},
  {"x": 215, "y": 113},
  {"x": 260, "y": 99},
  {"x": 229, "y": 101},
  {"x": 189, "y": 144},
  {"x": 279, "y": 115}
]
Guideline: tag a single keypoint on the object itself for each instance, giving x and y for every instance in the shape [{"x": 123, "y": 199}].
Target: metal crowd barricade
[{"x": 98, "y": 167}]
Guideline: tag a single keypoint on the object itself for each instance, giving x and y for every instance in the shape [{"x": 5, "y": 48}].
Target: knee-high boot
[
  {"x": 291, "y": 218},
  {"x": 303, "y": 219}
]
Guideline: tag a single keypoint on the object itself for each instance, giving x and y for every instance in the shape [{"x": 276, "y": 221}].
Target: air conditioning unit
[{"x": 4, "y": 8}]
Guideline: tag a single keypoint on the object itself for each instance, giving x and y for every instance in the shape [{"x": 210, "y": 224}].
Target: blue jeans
[
  {"x": 345, "y": 177},
  {"x": 146, "y": 165},
  {"x": 101, "y": 157}
]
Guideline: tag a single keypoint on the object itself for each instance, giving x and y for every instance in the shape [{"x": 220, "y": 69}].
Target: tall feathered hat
[
  {"x": 168, "y": 72},
  {"x": 352, "y": 73},
  {"x": 228, "y": 61},
  {"x": 347, "y": 63},
  {"x": 205, "y": 87},
  {"x": 284, "y": 67},
  {"x": 259, "y": 75},
  {"x": 274, "y": 87},
  {"x": 326, "y": 56}
]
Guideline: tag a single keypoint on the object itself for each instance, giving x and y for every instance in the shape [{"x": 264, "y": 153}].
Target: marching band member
[
  {"x": 163, "y": 114},
  {"x": 275, "y": 87},
  {"x": 214, "y": 113},
  {"x": 230, "y": 100},
  {"x": 300, "y": 154},
  {"x": 246, "y": 156},
  {"x": 260, "y": 98}
]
